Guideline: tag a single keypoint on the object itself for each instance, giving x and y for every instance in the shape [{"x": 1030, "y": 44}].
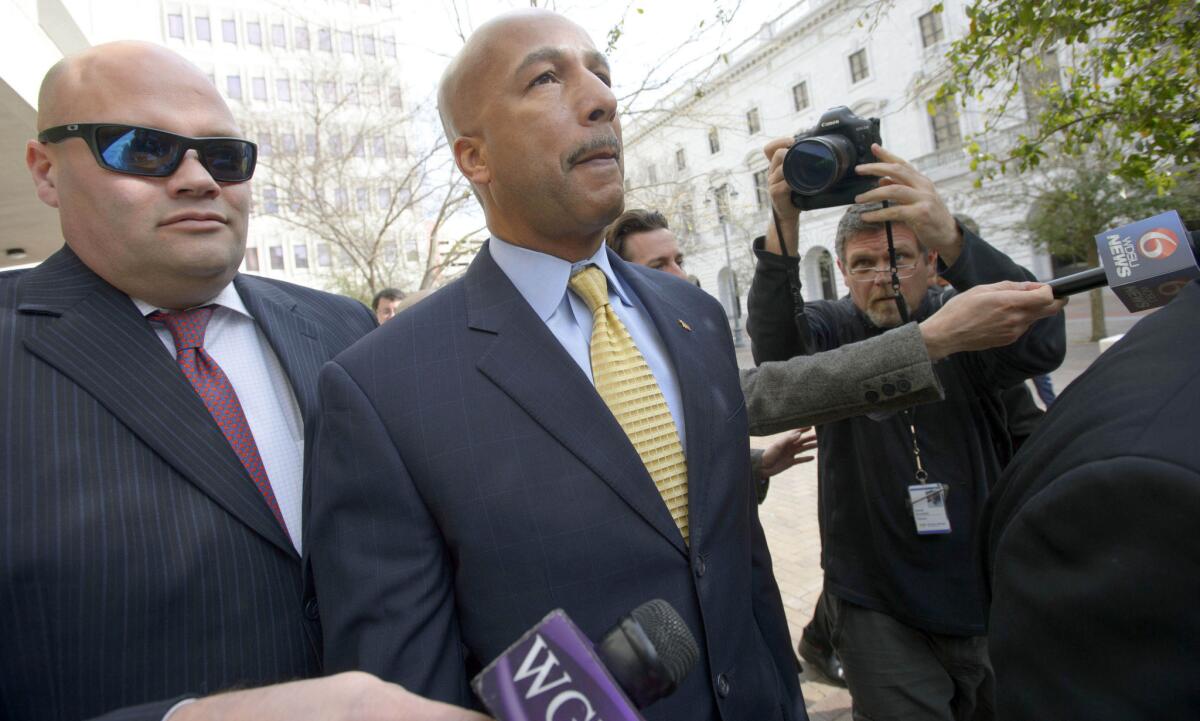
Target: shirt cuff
[
  {"x": 769, "y": 259},
  {"x": 171, "y": 711}
]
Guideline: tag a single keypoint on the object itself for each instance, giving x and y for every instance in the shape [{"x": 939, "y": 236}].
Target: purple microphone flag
[{"x": 552, "y": 674}]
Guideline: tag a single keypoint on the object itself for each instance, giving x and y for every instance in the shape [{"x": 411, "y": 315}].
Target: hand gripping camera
[{"x": 819, "y": 167}]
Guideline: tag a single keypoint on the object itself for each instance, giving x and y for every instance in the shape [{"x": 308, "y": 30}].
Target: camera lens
[{"x": 814, "y": 164}]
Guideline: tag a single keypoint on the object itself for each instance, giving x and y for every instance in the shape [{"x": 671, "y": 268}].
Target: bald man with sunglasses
[{"x": 153, "y": 406}]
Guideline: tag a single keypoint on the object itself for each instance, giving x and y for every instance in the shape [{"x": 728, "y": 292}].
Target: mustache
[{"x": 601, "y": 142}]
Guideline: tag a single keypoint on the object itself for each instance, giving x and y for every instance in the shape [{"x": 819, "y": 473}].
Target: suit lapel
[
  {"x": 101, "y": 342},
  {"x": 528, "y": 363},
  {"x": 295, "y": 338},
  {"x": 688, "y": 356}
]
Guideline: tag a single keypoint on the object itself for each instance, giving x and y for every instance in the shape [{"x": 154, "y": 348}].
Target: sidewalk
[{"x": 789, "y": 515}]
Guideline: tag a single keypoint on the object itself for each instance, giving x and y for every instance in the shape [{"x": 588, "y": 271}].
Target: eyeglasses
[
  {"x": 867, "y": 275},
  {"x": 156, "y": 153}
]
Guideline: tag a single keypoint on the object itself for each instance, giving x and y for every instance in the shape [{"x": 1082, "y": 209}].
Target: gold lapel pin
[{"x": 685, "y": 326}]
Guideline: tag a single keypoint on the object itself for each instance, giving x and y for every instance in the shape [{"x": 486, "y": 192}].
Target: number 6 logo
[{"x": 1158, "y": 243}]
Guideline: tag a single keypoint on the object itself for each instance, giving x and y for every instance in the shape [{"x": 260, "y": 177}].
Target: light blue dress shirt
[{"x": 542, "y": 279}]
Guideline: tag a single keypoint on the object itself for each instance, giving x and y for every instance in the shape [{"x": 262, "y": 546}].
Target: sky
[{"x": 660, "y": 39}]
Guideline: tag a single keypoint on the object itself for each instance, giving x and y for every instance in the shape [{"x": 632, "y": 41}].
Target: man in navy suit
[
  {"x": 468, "y": 477},
  {"x": 153, "y": 412}
]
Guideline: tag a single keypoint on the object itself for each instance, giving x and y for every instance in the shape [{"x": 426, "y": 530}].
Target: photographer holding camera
[{"x": 901, "y": 494}]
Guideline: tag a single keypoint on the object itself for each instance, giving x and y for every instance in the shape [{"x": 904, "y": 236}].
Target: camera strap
[
  {"x": 901, "y": 306},
  {"x": 779, "y": 233}
]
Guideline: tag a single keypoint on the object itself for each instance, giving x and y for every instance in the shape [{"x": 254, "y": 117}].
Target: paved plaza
[{"x": 789, "y": 515}]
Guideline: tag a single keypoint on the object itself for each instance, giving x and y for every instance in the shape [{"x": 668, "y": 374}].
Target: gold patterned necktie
[{"x": 629, "y": 389}]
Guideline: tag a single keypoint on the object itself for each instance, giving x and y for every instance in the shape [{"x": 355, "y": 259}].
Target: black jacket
[
  {"x": 872, "y": 554},
  {"x": 1090, "y": 539},
  {"x": 138, "y": 562}
]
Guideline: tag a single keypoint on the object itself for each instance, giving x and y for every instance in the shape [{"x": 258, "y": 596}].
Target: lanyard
[{"x": 921, "y": 477}]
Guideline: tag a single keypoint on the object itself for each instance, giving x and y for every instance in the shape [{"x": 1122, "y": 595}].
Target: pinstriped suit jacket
[{"x": 138, "y": 562}]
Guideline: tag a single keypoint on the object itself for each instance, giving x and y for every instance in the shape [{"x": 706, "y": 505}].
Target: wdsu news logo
[{"x": 1149, "y": 261}]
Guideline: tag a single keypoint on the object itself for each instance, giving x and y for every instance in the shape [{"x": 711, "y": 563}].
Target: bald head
[
  {"x": 461, "y": 93},
  {"x": 173, "y": 241},
  {"x": 91, "y": 86}
]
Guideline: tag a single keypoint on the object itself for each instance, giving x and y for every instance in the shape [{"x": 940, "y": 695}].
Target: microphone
[
  {"x": 1145, "y": 263},
  {"x": 554, "y": 673}
]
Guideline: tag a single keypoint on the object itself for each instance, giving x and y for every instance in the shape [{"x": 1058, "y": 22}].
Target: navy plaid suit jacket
[
  {"x": 467, "y": 479},
  {"x": 138, "y": 563}
]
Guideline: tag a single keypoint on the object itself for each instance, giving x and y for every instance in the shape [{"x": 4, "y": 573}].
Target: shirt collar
[
  {"x": 227, "y": 298},
  {"x": 542, "y": 279}
]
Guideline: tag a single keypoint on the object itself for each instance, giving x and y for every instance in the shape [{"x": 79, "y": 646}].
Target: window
[
  {"x": 722, "y": 194},
  {"x": 276, "y": 252},
  {"x": 368, "y": 45},
  {"x": 383, "y": 197},
  {"x": 395, "y": 97},
  {"x": 283, "y": 90},
  {"x": 944, "y": 120},
  {"x": 329, "y": 91},
  {"x": 204, "y": 32},
  {"x": 762, "y": 193},
  {"x": 680, "y": 159},
  {"x": 289, "y": 142},
  {"x": 346, "y": 42},
  {"x": 341, "y": 198},
  {"x": 324, "y": 256},
  {"x": 233, "y": 87},
  {"x": 753, "y": 124},
  {"x": 264, "y": 146},
  {"x": 252, "y": 259},
  {"x": 254, "y": 33},
  {"x": 301, "y": 41},
  {"x": 325, "y": 40},
  {"x": 229, "y": 31},
  {"x": 360, "y": 148},
  {"x": 391, "y": 252},
  {"x": 800, "y": 95},
  {"x": 300, "y": 255},
  {"x": 271, "y": 201},
  {"x": 858, "y": 66},
  {"x": 310, "y": 144},
  {"x": 335, "y": 143},
  {"x": 362, "y": 199},
  {"x": 714, "y": 141},
  {"x": 175, "y": 25},
  {"x": 931, "y": 28},
  {"x": 352, "y": 93},
  {"x": 687, "y": 218},
  {"x": 258, "y": 88},
  {"x": 306, "y": 91},
  {"x": 1038, "y": 80},
  {"x": 389, "y": 47},
  {"x": 278, "y": 35},
  {"x": 652, "y": 174}
]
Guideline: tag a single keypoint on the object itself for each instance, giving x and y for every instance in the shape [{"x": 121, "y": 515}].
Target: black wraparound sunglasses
[{"x": 156, "y": 153}]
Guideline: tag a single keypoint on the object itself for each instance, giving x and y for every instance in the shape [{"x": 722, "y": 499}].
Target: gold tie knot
[{"x": 591, "y": 285}]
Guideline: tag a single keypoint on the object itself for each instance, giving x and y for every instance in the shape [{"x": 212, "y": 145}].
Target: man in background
[
  {"x": 386, "y": 304},
  {"x": 901, "y": 494},
  {"x": 154, "y": 410}
]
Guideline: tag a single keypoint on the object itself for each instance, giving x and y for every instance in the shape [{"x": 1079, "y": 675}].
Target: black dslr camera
[{"x": 819, "y": 167}]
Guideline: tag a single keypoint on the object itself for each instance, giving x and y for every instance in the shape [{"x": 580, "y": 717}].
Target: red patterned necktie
[{"x": 187, "y": 329}]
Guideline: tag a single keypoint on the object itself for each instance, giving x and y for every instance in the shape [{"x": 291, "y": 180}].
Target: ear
[
  {"x": 471, "y": 158},
  {"x": 842, "y": 269},
  {"x": 44, "y": 172}
]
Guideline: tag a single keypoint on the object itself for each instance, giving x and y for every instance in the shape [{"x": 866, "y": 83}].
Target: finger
[
  {"x": 896, "y": 194},
  {"x": 804, "y": 459},
  {"x": 902, "y": 173},
  {"x": 775, "y": 145},
  {"x": 886, "y": 155}
]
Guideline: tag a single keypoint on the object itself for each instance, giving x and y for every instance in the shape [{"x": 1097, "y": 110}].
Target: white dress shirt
[
  {"x": 238, "y": 345},
  {"x": 542, "y": 280}
]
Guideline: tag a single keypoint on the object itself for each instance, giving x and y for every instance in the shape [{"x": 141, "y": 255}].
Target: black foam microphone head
[
  {"x": 649, "y": 652},
  {"x": 670, "y": 636}
]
